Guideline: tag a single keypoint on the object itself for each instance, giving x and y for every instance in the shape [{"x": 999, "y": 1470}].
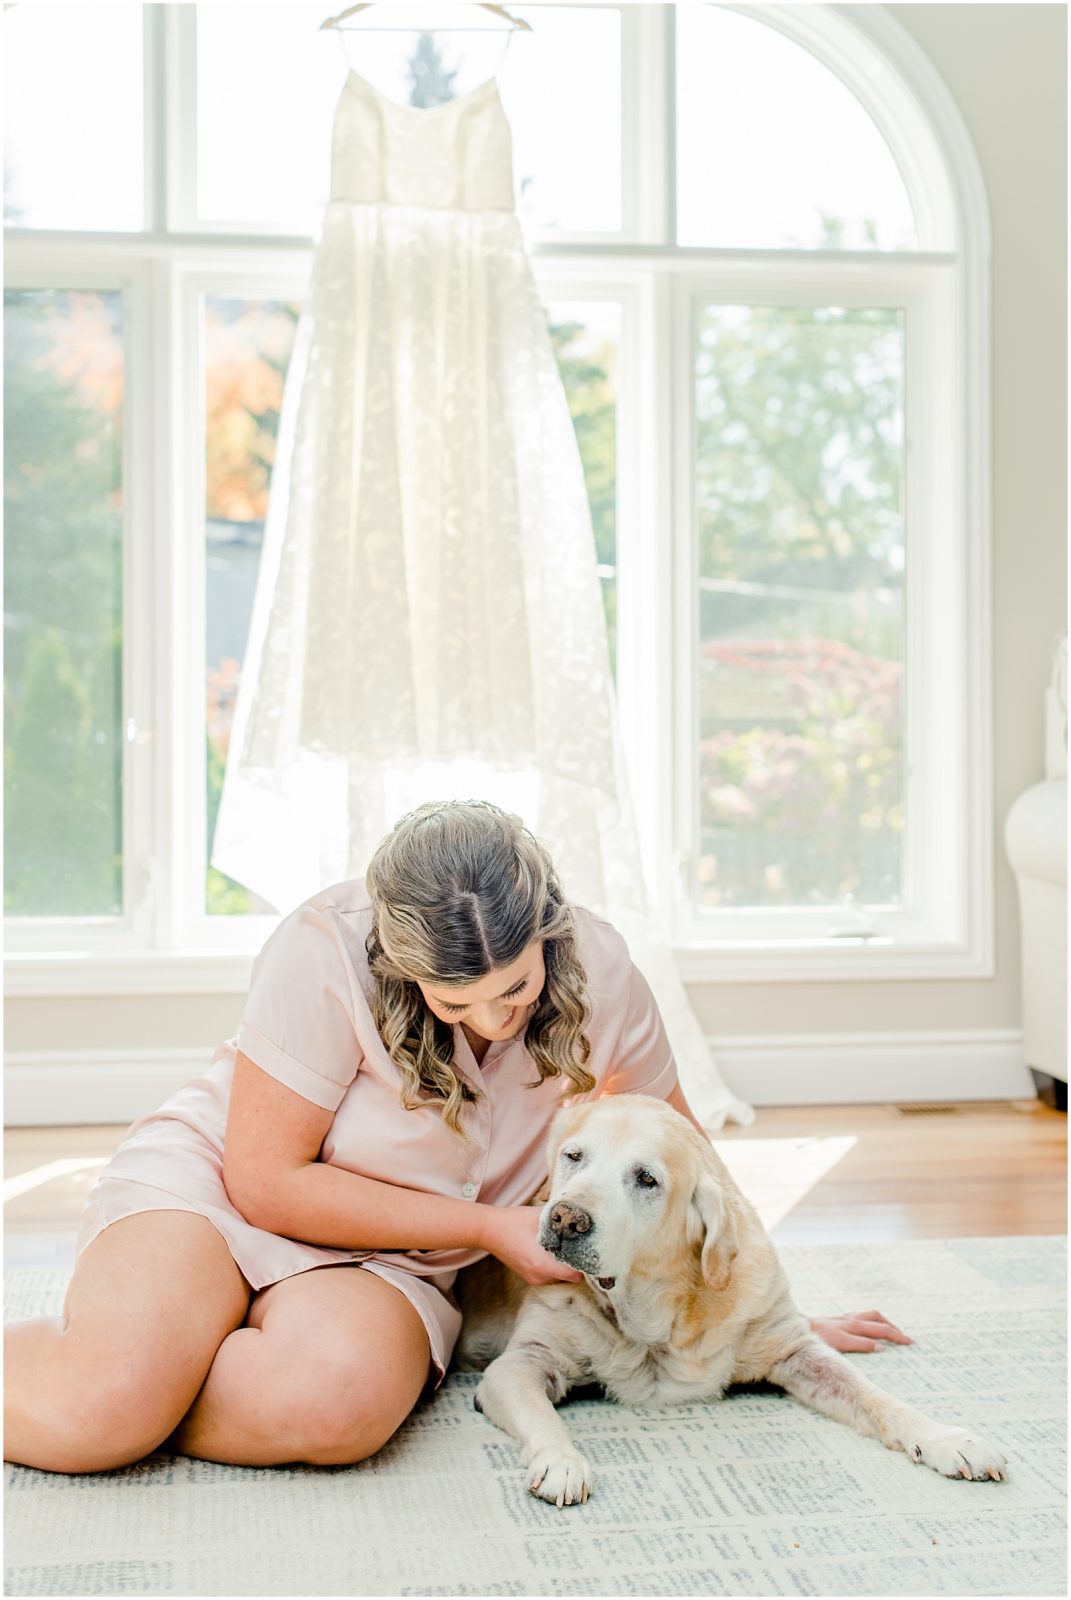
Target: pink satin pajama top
[{"x": 308, "y": 1022}]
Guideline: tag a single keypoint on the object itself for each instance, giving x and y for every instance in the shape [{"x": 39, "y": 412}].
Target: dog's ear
[
  {"x": 711, "y": 1225},
  {"x": 559, "y": 1125}
]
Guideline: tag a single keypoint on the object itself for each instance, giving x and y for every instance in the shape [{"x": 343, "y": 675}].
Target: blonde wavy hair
[{"x": 459, "y": 889}]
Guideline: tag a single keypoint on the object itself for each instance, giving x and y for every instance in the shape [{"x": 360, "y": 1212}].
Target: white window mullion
[
  {"x": 648, "y": 601},
  {"x": 154, "y": 68},
  {"x": 646, "y": 123},
  {"x": 180, "y": 117},
  {"x": 180, "y": 330},
  {"x": 667, "y": 120},
  {"x": 279, "y": 274},
  {"x": 642, "y": 586},
  {"x": 169, "y": 626},
  {"x": 947, "y": 730},
  {"x": 145, "y": 663},
  {"x": 683, "y": 635},
  {"x": 193, "y": 929},
  {"x": 664, "y": 553}
]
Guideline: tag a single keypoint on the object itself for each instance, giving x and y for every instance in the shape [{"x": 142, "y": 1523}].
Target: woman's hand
[
  {"x": 862, "y": 1331},
  {"x": 512, "y": 1234}
]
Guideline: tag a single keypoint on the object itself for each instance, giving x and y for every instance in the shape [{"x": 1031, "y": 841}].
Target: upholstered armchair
[{"x": 1035, "y": 837}]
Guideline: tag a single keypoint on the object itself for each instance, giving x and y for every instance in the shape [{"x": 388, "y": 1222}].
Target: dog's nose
[{"x": 568, "y": 1221}]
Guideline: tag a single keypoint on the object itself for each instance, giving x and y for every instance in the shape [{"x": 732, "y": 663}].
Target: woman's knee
[
  {"x": 90, "y": 1420},
  {"x": 349, "y": 1413},
  {"x": 359, "y": 1376},
  {"x": 104, "y": 1384},
  {"x": 121, "y": 1418}
]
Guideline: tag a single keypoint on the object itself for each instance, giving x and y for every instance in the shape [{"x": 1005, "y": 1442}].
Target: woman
[{"x": 380, "y": 1116}]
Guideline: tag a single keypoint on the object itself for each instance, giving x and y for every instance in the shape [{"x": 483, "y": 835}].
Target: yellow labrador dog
[{"x": 682, "y": 1295}]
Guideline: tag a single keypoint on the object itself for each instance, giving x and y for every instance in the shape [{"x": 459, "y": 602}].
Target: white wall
[{"x": 1006, "y": 67}]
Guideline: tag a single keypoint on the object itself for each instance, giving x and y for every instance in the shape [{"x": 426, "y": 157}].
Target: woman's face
[{"x": 497, "y": 1006}]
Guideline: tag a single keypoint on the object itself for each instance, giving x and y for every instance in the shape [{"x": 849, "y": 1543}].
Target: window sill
[
  {"x": 29, "y": 974},
  {"x": 37, "y": 973},
  {"x": 848, "y": 959}
]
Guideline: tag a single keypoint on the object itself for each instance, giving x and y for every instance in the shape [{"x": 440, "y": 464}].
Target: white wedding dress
[{"x": 428, "y": 621}]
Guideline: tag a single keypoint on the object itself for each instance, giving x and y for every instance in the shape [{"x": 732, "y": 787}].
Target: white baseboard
[
  {"x": 875, "y": 1068},
  {"x": 49, "y": 1088}
]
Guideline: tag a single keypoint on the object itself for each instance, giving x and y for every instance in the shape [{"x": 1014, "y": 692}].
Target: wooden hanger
[{"x": 500, "y": 11}]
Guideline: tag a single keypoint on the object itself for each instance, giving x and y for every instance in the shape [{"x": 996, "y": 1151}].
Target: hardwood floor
[
  {"x": 815, "y": 1173},
  {"x": 880, "y": 1172}
]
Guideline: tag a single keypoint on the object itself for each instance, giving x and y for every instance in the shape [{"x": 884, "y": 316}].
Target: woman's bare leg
[
  {"x": 330, "y": 1364},
  {"x": 151, "y": 1299}
]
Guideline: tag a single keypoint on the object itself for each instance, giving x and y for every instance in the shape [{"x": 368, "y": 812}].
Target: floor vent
[{"x": 926, "y": 1110}]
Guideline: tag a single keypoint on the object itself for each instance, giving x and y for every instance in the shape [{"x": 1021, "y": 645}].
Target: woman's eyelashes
[{"x": 511, "y": 994}]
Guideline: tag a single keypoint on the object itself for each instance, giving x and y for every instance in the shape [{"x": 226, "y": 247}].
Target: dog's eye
[
  {"x": 646, "y": 1179},
  {"x": 572, "y": 1155}
]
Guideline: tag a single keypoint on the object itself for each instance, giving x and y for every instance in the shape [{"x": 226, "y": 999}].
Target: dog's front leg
[
  {"x": 827, "y": 1382},
  {"x": 518, "y": 1393}
]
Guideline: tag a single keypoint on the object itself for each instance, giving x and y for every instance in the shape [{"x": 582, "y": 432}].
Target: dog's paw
[
  {"x": 563, "y": 1478},
  {"x": 959, "y": 1454}
]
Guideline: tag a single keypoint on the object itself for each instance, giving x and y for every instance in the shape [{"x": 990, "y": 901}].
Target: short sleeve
[
  {"x": 298, "y": 1022},
  {"x": 642, "y": 1059}
]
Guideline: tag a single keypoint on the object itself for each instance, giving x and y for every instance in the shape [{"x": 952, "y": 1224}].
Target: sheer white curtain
[{"x": 428, "y": 622}]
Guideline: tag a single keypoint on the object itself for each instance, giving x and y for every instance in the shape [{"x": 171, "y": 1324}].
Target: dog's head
[{"x": 634, "y": 1190}]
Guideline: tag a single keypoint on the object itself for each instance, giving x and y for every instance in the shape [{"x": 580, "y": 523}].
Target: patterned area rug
[{"x": 753, "y": 1496}]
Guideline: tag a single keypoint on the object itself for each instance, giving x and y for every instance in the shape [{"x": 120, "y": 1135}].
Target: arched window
[
  {"x": 828, "y": 511},
  {"x": 761, "y": 236}
]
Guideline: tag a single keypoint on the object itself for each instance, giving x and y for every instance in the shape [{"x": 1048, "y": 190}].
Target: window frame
[
  {"x": 933, "y": 923},
  {"x": 132, "y": 927},
  {"x": 156, "y": 947},
  {"x": 643, "y": 77}
]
